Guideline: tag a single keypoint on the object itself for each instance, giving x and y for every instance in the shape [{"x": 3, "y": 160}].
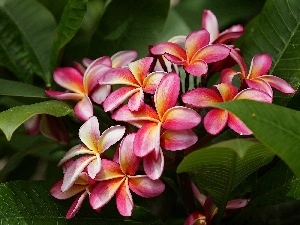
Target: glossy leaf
[
  {"x": 26, "y": 34},
  {"x": 275, "y": 126},
  {"x": 276, "y": 31},
  {"x": 128, "y": 25},
  {"x": 12, "y": 118},
  {"x": 220, "y": 168},
  {"x": 69, "y": 24}
]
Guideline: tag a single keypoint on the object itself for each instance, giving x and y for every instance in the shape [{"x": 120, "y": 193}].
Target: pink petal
[
  {"x": 240, "y": 61},
  {"x": 260, "y": 65},
  {"x": 64, "y": 95},
  {"x": 124, "y": 199},
  {"x": 69, "y": 78},
  {"x": 180, "y": 118},
  {"x": 260, "y": 84},
  {"x": 195, "y": 41},
  {"x": 94, "y": 166},
  {"x": 89, "y": 133},
  {"x": 123, "y": 58},
  {"x": 92, "y": 76},
  {"x": 201, "y": 97},
  {"x": 253, "y": 94},
  {"x": 32, "y": 125},
  {"x": 196, "y": 217},
  {"x": 110, "y": 136},
  {"x": 76, "y": 150},
  {"x": 178, "y": 140},
  {"x": 104, "y": 191},
  {"x": 278, "y": 83},
  {"x": 237, "y": 125},
  {"x": 145, "y": 187},
  {"x": 136, "y": 100},
  {"x": 104, "y": 60},
  {"x": 171, "y": 48},
  {"x": 76, "y": 205},
  {"x": 100, "y": 93},
  {"x": 117, "y": 97},
  {"x": 119, "y": 76},
  {"x": 154, "y": 165},
  {"x": 215, "y": 121},
  {"x": 227, "y": 75},
  {"x": 229, "y": 36},
  {"x": 227, "y": 91},
  {"x": 110, "y": 170},
  {"x": 57, "y": 193},
  {"x": 129, "y": 162},
  {"x": 147, "y": 139},
  {"x": 210, "y": 23},
  {"x": 197, "y": 68},
  {"x": 177, "y": 39},
  {"x": 151, "y": 82},
  {"x": 174, "y": 59},
  {"x": 167, "y": 93},
  {"x": 84, "y": 109},
  {"x": 198, "y": 195},
  {"x": 140, "y": 69},
  {"x": 211, "y": 53},
  {"x": 237, "y": 203}
]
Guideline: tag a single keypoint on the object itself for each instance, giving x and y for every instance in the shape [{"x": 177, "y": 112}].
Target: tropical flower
[
  {"x": 93, "y": 146},
  {"x": 136, "y": 79},
  {"x": 196, "y": 55},
  {"x": 257, "y": 76},
  {"x": 216, "y": 119},
  {"x": 118, "y": 178}
]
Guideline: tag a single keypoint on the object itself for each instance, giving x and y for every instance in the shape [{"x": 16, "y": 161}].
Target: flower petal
[
  {"x": 100, "y": 93},
  {"x": 215, "y": 121},
  {"x": 171, "y": 48},
  {"x": 260, "y": 64},
  {"x": 210, "y": 23},
  {"x": 136, "y": 100},
  {"x": 84, "y": 109},
  {"x": 69, "y": 78},
  {"x": 195, "y": 41},
  {"x": 167, "y": 93},
  {"x": 201, "y": 97},
  {"x": 145, "y": 187},
  {"x": 151, "y": 81},
  {"x": 211, "y": 53},
  {"x": 76, "y": 150},
  {"x": 109, "y": 137},
  {"x": 104, "y": 191},
  {"x": 260, "y": 84},
  {"x": 110, "y": 170},
  {"x": 227, "y": 91},
  {"x": 253, "y": 94},
  {"x": 154, "y": 165},
  {"x": 89, "y": 133},
  {"x": 32, "y": 125},
  {"x": 76, "y": 205},
  {"x": 124, "y": 199},
  {"x": 278, "y": 83},
  {"x": 237, "y": 203},
  {"x": 227, "y": 75},
  {"x": 178, "y": 140},
  {"x": 64, "y": 95},
  {"x": 140, "y": 69},
  {"x": 92, "y": 76},
  {"x": 197, "y": 68},
  {"x": 94, "y": 166},
  {"x": 123, "y": 58},
  {"x": 180, "y": 118},
  {"x": 147, "y": 139},
  {"x": 237, "y": 125},
  {"x": 119, "y": 76},
  {"x": 57, "y": 193}
]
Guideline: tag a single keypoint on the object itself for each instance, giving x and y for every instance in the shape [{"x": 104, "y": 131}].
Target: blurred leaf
[
  {"x": 276, "y": 31},
  {"x": 26, "y": 34},
  {"x": 129, "y": 25},
  {"x": 220, "y": 168},
  {"x": 12, "y": 118},
  {"x": 13, "y": 88},
  {"x": 275, "y": 126},
  {"x": 69, "y": 24}
]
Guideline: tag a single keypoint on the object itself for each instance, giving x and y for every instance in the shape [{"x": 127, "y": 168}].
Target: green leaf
[
  {"x": 30, "y": 202},
  {"x": 12, "y": 118},
  {"x": 220, "y": 168},
  {"x": 69, "y": 24},
  {"x": 275, "y": 126},
  {"x": 276, "y": 31},
  {"x": 129, "y": 25},
  {"x": 13, "y": 88},
  {"x": 26, "y": 34}
]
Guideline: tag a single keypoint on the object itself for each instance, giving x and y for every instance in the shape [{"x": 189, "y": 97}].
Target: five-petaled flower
[{"x": 118, "y": 178}]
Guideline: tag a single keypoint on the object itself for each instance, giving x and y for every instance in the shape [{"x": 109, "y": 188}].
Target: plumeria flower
[
  {"x": 136, "y": 79},
  {"x": 216, "y": 119},
  {"x": 196, "y": 54},
  {"x": 93, "y": 146},
  {"x": 169, "y": 126},
  {"x": 82, "y": 187},
  {"x": 196, "y": 218},
  {"x": 118, "y": 178},
  {"x": 257, "y": 76}
]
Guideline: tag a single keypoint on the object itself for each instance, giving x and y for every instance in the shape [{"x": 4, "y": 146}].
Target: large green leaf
[
  {"x": 129, "y": 25},
  {"x": 69, "y": 24},
  {"x": 276, "y": 31},
  {"x": 277, "y": 127},
  {"x": 220, "y": 168},
  {"x": 12, "y": 118},
  {"x": 29, "y": 202},
  {"x": 26, "y": 34}
]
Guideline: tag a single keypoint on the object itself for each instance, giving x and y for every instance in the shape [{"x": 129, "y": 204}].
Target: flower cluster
[{"x": 157, "y": 111}]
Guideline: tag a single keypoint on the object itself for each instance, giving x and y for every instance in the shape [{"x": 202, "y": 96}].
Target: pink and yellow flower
[
  {"x": 196, "y": 55},
  {"x": 93, "y": 146},
  {"x": 118, "y": 178},
  {"x": 216, "y": 119}
]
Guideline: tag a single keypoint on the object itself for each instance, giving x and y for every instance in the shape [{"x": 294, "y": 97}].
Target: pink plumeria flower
[
  {"x": 210, "y": 23},
  {"x": 196, "y": 218},
  {"x": 136, "y": 79},
  {"x": 82, "y": 187},
  {"x": 119, "y": 179},
  {"x": 216, "y": 119},
  {"x": 93, "y": 146},
  {"x": 257, "y": 76},
  {"x": 196, "y": 55}
]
